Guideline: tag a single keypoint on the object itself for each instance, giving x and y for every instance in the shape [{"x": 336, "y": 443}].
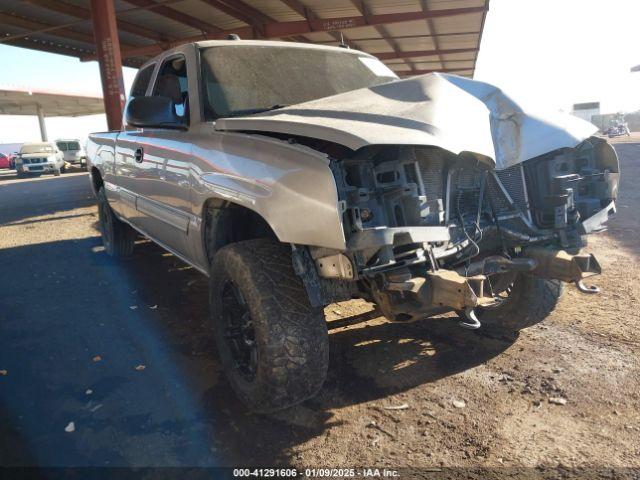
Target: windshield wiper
[{"x": 252, "y": 111}]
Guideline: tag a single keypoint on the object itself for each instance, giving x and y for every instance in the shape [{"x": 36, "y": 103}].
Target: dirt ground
[
  {"x": 586, "y": 352},
  {"x": 425, "y": 395}
]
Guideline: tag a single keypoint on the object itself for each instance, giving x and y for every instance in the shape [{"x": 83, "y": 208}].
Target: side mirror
[{"x": 153, "y": 112}]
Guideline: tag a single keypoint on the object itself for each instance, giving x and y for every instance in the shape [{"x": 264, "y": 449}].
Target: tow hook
[
  {"x": 468, "y": 319},
  {"x": 586, "y": 289}
]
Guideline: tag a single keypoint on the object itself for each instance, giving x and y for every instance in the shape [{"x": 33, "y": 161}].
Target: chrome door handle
[{"x": 138, "y": 155}]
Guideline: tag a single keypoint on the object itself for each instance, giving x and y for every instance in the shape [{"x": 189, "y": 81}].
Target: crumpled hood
[{"x": 447, "y": 111}]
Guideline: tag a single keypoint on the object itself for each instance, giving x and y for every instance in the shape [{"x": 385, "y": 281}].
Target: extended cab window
[
  {"x": 141, "y": 82},
  {"x": 172, "y": 83},
  {"x": 245, "y": 79}
]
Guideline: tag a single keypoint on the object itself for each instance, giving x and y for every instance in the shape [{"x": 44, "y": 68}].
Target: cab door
[
  {"x": 158, "y": 161},
  {"x": 122, "y": 195}
]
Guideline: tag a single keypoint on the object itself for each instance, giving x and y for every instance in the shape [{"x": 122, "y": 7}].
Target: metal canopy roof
[
  {"x": 51, "y": 104},
  {"x": 411, "y": 36}
]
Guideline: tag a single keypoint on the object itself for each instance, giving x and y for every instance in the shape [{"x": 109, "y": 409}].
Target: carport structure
[
  {"x": 23, "y": 101},
  {"x": 412, "y": 37}
]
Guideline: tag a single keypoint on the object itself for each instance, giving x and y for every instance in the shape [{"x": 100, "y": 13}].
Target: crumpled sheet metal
[{"x": 447, "y": 111}]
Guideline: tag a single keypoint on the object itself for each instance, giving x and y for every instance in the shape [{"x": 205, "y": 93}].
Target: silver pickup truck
[{"x": 296, "y": 176}]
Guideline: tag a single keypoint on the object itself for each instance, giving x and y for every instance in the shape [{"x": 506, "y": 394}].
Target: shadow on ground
[
  {"x": 123, "y": 349},
  {"x": 37, "y": 196}
]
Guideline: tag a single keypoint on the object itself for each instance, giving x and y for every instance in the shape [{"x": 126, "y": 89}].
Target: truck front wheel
[
  {"x": 118, "y": 238},
  {"x": 272, "y": 343},
  {"x": 525, "y": 301}
]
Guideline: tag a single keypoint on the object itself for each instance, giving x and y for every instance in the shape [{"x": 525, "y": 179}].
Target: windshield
[
  {"x": 65, "y": 146},
  {"x": 46, "y": 148},
  {"x": 245, "y": 79}
]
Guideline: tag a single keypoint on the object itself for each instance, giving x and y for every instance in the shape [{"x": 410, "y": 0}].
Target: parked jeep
[{"x": 296, "y": 176}]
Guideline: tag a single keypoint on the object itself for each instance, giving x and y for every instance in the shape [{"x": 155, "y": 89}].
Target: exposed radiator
[
  {"x": 512, "y": 179},
  {"x": 431, "y": 169},
  {"x": 460, "y": 188},
  {"x": 464, "y": 192}
]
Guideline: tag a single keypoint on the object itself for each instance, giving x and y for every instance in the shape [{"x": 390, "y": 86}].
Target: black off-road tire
[
  {"x": 291, "y": 338},
  {"x": 532, "y": 299},
  {"x": 118, "y": 238}
]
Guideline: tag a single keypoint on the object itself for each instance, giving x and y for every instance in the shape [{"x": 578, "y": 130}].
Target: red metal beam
[
  {"x": 440, "y": 70},
  {"x": 362, "y": 9},
  {"x": 298, "y": 7},
  {"x": 241, "y": 11},
  {"x": 422, "y": 53},
  {"x": 105, "y": 31},
  {"x": 177, "y": 16},
  {"x": 397, "y": 53},
  {"x": 402, "y": 37},
  {"x": 432, "y": 29},
  {"x": 428, "y": 63},
  {"x": 306, "y": 13},
  {"x": 33, "y": 27},
  {"x": 85, "y": 14},
  {"x": 286, "y": 29},
  {"x": 484, "y": 17},
  {"x": 283, "y": 29},
  {"x": 45, "y": 46}
]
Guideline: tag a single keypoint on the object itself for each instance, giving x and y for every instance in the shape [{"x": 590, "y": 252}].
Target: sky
[
  {"x": 40, "y": 70},
  {"x": 561, "y": 52},
  {"x": 550, "y": 52}
]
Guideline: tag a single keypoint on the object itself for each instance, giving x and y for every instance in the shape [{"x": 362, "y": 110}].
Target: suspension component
[{"x": 468, "y": 319}]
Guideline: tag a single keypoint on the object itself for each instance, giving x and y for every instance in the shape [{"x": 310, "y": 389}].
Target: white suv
[
  {"x": 72, "y": 151},
  {"x": 40, "y": 157}
]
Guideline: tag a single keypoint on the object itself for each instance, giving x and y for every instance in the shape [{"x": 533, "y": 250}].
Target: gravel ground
[{"x": 123, "y": 350}]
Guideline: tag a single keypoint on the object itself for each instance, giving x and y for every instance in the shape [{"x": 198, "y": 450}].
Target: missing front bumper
[
  {"x": 462, "y": 291},
  {"x": 560, "y": 265}
]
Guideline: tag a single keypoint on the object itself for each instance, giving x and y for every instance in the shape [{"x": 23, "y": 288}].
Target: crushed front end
[{"x": 429, "y": 231}]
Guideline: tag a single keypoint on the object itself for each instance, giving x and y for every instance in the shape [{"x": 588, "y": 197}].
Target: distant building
[{"x": 586, "y": 110}]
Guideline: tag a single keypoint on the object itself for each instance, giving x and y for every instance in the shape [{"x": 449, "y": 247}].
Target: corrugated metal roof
[
  {"x": 412, "y": 36},
  {"x": 20, "y": 101}
]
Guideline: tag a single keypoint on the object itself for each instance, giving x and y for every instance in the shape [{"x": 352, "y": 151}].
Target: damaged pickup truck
[{"x": 296, "y": 176}]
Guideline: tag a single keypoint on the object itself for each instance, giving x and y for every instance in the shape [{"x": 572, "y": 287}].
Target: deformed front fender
[{"x": 290, "y": 186}]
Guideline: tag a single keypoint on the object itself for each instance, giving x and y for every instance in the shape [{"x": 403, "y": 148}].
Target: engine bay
[{"x": 469, "y": 208}]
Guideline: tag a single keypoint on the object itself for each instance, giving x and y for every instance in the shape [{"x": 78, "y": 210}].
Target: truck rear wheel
[
  {"x": 525, "y": 301},
  {"x": 118, "y": 238},
  {"x": 272, "y": 343}
]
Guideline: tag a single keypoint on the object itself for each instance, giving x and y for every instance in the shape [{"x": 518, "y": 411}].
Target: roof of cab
[{"x": 259, "y": 43}]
